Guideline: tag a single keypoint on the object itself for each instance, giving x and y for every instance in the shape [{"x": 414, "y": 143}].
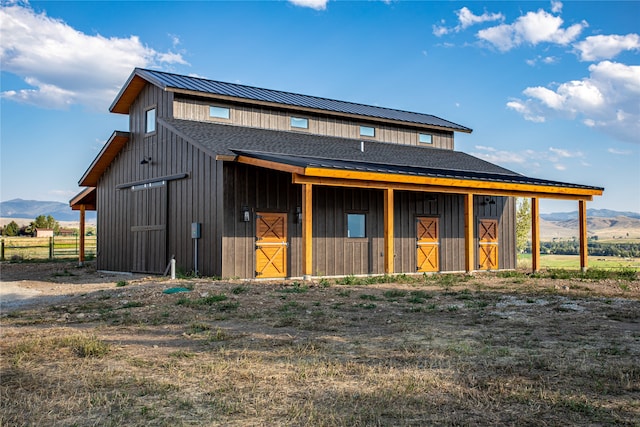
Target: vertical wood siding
[
  {"x": 194, "y": 199},
  {"x": 191, "y": 109},
  {"x": 261, "y": 190}
]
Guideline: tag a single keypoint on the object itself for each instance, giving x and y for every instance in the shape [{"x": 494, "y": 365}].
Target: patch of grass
[
  {"x": 122, "y": 283},
  {"x": 203, "y": 301},
  {"x": 133, "y": 304},
  {"x": 240, "y": 290},
  {"x": 369, "y": 297},
  {"x": 394, "y": 294},
  {"x": 295, "y": 288}
]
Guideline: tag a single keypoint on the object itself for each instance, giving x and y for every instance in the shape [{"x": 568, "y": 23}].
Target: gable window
[
  {"x": 150, "y": 120},
  {"x": 299, "y": 122},
  {"x": 367, "y": 131},
  {"x": 425, "y": 138},
  {"x": 356, "y": 225},
  {"x": 219, "y": 112}
]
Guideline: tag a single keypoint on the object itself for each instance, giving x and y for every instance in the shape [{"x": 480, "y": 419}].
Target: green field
[
  {"x": 18, "y": 248},
  {"x": 573, "y": 262}
]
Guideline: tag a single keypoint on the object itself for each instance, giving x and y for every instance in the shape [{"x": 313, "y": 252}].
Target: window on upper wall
[
  {"x": 150, "y": 121},
  {"x": 367, "y": 131},
  {"x": 219, "y": 112},
  {"x": 356, "y": 225},
  {"x": 299, "y": 122},
  {"x": 425, "y": 138}
]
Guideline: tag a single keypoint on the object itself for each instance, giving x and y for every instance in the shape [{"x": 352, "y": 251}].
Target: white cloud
[
  {"x": 595, "y": 48},
  {"x": 64, "y": 66},
  {"x": 556, "y": 6},
  {"x": 619, "y": 152},
  {"x": 607, "y": 100},
  {"x": 466, "y": 18},
  {"x": 313, "y": 4},
  {"x": 531, "y": 159},
  {"x": 532, "y": 28}
]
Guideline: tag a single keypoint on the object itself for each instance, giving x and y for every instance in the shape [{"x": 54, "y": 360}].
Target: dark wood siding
[
  {"x": 335, "y": 254},
  {"x": 260, "y": 190},
  {"x": 192, "y": 199},
  {"x": 504, "y": 211}
]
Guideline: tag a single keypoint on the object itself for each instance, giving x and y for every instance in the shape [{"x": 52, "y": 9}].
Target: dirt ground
[{"x": 501, "y": 349}]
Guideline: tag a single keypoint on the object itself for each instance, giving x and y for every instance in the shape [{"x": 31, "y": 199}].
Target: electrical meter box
[{"x": 195, "y": 230}]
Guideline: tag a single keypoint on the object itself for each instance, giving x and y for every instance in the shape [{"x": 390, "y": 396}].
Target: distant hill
[
  {"x": 591, "y": 213},
  {"x": 604, "y": 223},
  {"x": 18, "y": 208}
]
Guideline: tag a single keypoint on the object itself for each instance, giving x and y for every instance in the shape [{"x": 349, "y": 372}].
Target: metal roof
[{"x": 242, "y": 92}]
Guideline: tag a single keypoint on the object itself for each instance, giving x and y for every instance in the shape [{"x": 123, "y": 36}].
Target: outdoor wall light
[
  {"x": 145, "y": 161},
  {"x": 246, "y": 214},
  {"x": 299, "y": 214},
  {"x": 488, "y": 201}
]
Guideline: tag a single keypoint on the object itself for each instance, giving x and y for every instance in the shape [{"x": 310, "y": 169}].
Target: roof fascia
[
  {"x": 79, "y": 199},
  {"x": 109, "y": 151},
  {"x": 331, "y": 113},
  {"x": 130, "y": 90}
]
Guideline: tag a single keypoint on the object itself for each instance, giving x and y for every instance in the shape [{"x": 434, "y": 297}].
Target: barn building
[{"x": 239, "y": 181}]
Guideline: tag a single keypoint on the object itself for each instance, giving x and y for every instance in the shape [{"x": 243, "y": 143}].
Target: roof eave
[
  {"x": 131, "y": 89},
  {"x": 109, "y": 151}
]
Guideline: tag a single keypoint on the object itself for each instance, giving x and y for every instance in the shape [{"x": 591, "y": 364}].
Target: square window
[
  {"x": 425, "y": 138},
  {"x": 299, "y": 122},
  {"x": 219, "y": 112},
  {"x": 356, "y": 225},
  {"x": 367, "y": 131},
  {"x": 150, "y": 121}
]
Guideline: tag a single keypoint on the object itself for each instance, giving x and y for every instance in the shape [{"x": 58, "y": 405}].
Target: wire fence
[{"x": 17, "y": 248}]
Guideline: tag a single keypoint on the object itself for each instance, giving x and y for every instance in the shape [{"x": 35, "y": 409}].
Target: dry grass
[{"x": 487, "y": 350}]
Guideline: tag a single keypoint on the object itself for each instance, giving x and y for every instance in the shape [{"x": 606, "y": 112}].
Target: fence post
[
  {"x": 50, "y": 247},
  {"x": 2, "y": 250}
]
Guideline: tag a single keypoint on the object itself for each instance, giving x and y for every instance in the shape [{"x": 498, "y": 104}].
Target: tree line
[{"x": 13, "y": 229}]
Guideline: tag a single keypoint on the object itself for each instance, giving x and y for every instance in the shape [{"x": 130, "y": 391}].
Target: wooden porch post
[
  {"x": 307, "y": 233},
  {"x": 582, "y": 219},
  {"x": 468, "y": 233},
  {"x": 388, "y": 231},
  {"x": 535, "y": 234},
  {"x": 82, "y": 233}
]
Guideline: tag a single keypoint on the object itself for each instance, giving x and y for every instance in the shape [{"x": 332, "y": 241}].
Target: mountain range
[{"x": 30, "y": 209}]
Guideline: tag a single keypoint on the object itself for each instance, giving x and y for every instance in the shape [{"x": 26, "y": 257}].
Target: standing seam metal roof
[{"x": 176, "y": 81}]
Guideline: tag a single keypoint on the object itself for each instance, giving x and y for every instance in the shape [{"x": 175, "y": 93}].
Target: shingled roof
[
  {"x": 238, "y": 92},
  {"x": 305, "y": 150}
]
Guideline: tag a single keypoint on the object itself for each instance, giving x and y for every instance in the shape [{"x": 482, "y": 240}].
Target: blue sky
[{"x": 550, "y": 89}]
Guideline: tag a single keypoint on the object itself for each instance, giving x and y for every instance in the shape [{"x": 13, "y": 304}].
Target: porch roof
[{"x": 341, "y": 161}]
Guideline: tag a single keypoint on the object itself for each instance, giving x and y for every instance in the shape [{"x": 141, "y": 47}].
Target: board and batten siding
[
  {"x": 260, "y": 190},
  {"x": 196, "y": 198},
  {"x": 265, "y": 118}
]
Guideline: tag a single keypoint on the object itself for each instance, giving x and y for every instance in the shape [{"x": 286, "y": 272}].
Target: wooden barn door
[
  {"x": 488, "y": 244},
  {"x": 271, "y": 245},
  {"x": 427, "y": 243},
  {"x": 149, "y": 230}
]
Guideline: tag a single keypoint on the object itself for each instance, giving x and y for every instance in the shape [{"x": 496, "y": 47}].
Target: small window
[
  {"x": 425, "y": 138},
  {"x": 219, "y": 112},
  {"x": 367, "y": 131},
  {"x": 355, "y": 225},
  {"x": 299, "y": 122},
  {"x": 150, "y": 121}
]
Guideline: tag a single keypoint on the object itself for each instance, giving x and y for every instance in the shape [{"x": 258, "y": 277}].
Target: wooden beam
[
  {"x": 388, "y": 231},
  {"x": 582, "y": 219},
  {"x": 269, "y": 164},
  {"x": 358, "y": 183},
  {"x": 82, "y": 233},
  {"x": 307, "y": 231},
  {"x": 469, "y": 246},
  {"x": 535, "y": 234},
  {"x": 449, "y": 182}
]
